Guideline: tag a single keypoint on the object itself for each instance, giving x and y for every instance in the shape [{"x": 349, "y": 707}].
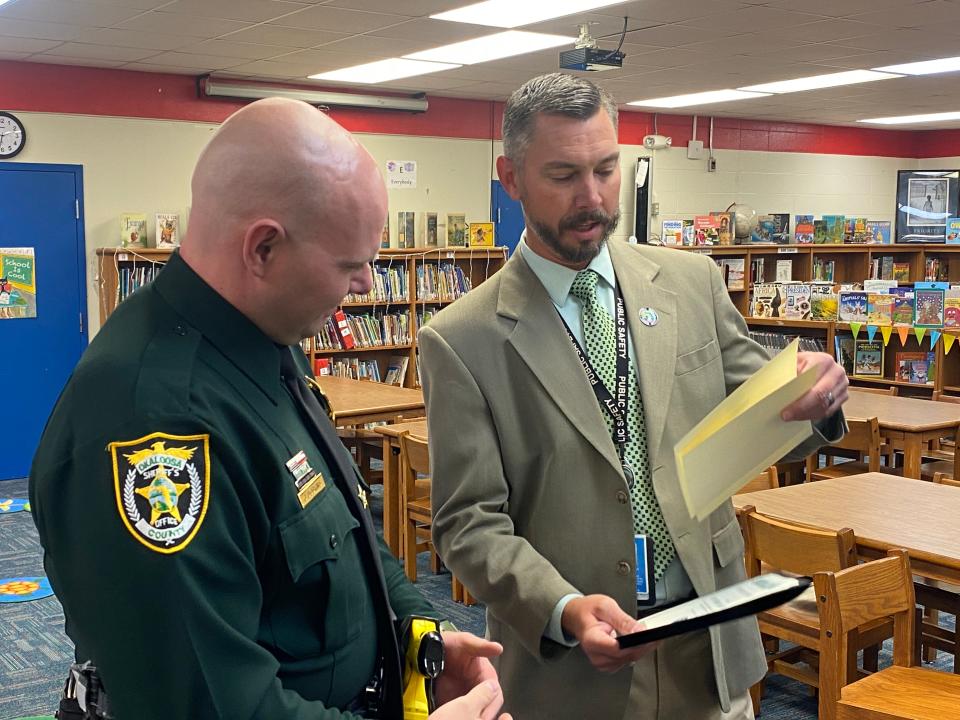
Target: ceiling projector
[{"x": 587, "y": 56}]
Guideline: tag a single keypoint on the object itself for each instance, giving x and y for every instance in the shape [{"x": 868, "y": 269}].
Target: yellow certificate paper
[{"x": 743, "y": 435}]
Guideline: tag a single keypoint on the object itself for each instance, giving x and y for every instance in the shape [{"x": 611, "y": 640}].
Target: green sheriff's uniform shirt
[{"x": 206, "y": 561}]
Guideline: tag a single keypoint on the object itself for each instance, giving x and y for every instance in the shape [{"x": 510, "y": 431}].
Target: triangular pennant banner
[
  {"x": 886, "y": 331},
  {"x": 855, "y": 329},
  {"x": 934, "y": 336},
  {"x": 903, "y": 331},
  {"x": 920, "y": 332},
  {"x": 871, "y": 331},
  {"x": 948, "y": 342}
]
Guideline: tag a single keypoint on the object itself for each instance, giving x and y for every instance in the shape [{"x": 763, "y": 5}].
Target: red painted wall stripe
[{"x": 38, "y": 87}]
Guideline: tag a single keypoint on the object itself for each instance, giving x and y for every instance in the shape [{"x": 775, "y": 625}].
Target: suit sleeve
[
  {"x": 743, "y": 356},
  {"x": 471, "y": 527}
]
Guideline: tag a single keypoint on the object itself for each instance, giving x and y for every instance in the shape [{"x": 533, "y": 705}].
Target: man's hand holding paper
[{"x": 827, "y": 395}]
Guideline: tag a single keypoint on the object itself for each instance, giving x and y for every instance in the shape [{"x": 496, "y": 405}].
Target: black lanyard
[{"x": 616, "y": 406}]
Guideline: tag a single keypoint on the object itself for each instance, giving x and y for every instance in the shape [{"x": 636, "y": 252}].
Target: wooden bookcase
[
  {"x": 852, "y": 263},
  {"x": 119, "y": 265}
]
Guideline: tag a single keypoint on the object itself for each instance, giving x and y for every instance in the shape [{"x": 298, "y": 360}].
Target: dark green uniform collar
[{"x": 225, "y": 327}]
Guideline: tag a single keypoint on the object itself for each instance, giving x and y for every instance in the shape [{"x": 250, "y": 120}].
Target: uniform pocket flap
[
  {"x": 317, "y": 533},
  {"x": 728, "y": 543},
  {"x": 696, "y": 359}
]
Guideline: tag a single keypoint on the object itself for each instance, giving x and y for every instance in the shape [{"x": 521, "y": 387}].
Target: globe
[{"x": 745, "y": 220}]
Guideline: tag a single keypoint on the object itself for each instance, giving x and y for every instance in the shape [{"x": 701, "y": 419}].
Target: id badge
[{"x": 646, "y": 585}]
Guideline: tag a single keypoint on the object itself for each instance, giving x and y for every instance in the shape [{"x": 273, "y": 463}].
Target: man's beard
[{"x": 579, "y": 253}]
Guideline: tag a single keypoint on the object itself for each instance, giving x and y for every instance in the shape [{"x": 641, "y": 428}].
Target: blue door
[
  {"x": 507, "y": 217},
  {"x": 40, "y": 209}
]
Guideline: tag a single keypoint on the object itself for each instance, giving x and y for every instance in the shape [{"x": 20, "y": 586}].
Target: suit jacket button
[
  {"x": 334, "y": 542},
  {"x": 623, "y": 568},
  {"x": 622, "y": 497}
]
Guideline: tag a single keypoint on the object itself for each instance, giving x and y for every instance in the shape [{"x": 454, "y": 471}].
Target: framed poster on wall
[{"x": 925, "y": 200}]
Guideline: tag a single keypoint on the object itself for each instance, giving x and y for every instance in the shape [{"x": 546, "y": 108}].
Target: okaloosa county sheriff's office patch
[{"x": 162, "y": 484}]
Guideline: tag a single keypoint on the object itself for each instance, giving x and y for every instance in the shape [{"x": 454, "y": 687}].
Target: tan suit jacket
[{"x": 530, "y": 502}]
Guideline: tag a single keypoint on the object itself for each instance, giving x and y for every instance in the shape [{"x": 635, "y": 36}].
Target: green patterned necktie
[{"x": 601, "y": 346}]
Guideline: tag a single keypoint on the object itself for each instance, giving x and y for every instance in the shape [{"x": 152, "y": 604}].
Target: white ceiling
[{"x": 672, "y": 46}]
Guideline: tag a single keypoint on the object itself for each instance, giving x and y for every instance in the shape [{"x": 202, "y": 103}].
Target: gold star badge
[{"x": 362, "y": 494}]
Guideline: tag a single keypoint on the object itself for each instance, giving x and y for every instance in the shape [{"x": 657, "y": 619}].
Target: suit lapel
[
  {"x": 541, "y": 341},
  {"x": 656, "y": 344}
]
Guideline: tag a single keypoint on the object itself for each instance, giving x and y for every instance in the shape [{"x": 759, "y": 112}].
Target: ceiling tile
[
  {"x": 73, "y": 12},
  {"x": 413, "y": 8},
  {"x": 322, "y": 59},
  {"x": 135, "y": 38},
  {"x": 13, "y": 55},
  {"x": 912, "y": 15},
  {"x": 138, "y": 4},
  {"x": 38, "y": 30},
  {"x": 241, "y": 10},
  {"x": 323, "y": 17},
  {"x": 187, "y": 25},
  {"x": 278, "y": 68},
  {"x": 677, "y": 35},
  {"x": 439, "y": 32},
  {"x": 912, "y": 40},
  {"x": 435, "y": 81},
  {"x": 76, "y": 61},
  {"x": 226, "y": 48},
  {"x": 669, "y": 11},
  {"x": 270, "y": 34},
  {"x": 167, "y": 69},
  {"x": 378, "y": 47},
  {"x": 211, "y": 62},
  {"x": 101, "y": 52},
  {"x": 25, "y": 45},
  {"x": 752, "y": 19}
]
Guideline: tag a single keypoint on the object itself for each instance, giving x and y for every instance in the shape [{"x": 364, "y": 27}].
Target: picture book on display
[
  {"x": 785, "y": 270},
  {"x": 430, "y": 229},
  {"x": 823, "y": 270},
  {"x": 879, "y": 309},
  {"x": 456, "y": 230},
  {"x": 803, "y": 229},
  {"x": 774, "y": 228},
  {"x": 843, "y": 351},
  {"x": 823, "y": 302},
  {"x": 733, "y": 271},
  {"x": 672, "y": 232},
  {"x": 406, "y": 229},
  {"x": 853, "y": 306},
  {"x": 903, "y": 307},
  {"x": 725, "y": 228},
  {"x": 855, "y": 231},
  {"x": 797, "y": 305},
  {"x": 928, "y": 307},
  {"x": 951, "y": 308},
  {"x": 878, "y": 232},
  {"x": 688, "y": 233},
  {"x": 481, "y": 234},
  {"x": 706, "y": 229},
  {"x": 901, "y": 271},
  {"x": 133, "y": 230},
  {"x": 917, "y": 368},
  {"x": 385, "y": 233},
  {"x": 953, "y": 231},
  {"x": 868, "y": 358},
  {"x": 766, "y": 300},
  {"x": 168, "y": 230},
  {"x": 820, "y": 236},
  {"x": 836, "y": 226}
]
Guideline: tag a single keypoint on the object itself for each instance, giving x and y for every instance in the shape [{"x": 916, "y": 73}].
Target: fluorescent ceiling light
[
  {"x": 816, "y": 82},
  {"x": 925, "y": 67},
  {"x": 383, "y": 70},
  {"x": 492, "y": 47},
  {"x": 908, "y": 119},
  {"x": 703, "y": 98},
  {"x": 514, "y": 13}
]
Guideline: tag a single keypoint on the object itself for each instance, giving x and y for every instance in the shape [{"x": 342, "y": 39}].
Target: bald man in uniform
[{"x": 208, "y": 540}]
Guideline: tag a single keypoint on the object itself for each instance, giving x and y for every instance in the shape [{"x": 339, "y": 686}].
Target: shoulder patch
[{"x": 162, "y": 485}]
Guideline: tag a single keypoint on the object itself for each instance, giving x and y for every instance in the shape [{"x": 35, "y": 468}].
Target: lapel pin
[{"x": 648, "y": 316}]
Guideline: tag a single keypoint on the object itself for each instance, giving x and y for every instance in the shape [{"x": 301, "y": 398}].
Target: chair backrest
[
  {"x": 414, "y": 454},
  {"x": 799, "y": 549},
  {"x": 862, "y": 436},
  {"x": 767, "y": 480},
  {"x": 848, "y": 599},
  {"x": 942, "y": 479},
  {"x": 892, "y": 390},
  {"x": 943, "y": 397}
]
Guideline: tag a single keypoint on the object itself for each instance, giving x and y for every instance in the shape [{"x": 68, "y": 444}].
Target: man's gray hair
[{"x": 552, "y": 94}]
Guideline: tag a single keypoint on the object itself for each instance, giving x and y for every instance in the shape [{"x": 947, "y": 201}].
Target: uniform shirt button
[
  {"x": 334, "y": 542},
  {"x": 623, "y": 568},
  {"x": 622, "y": 497}
]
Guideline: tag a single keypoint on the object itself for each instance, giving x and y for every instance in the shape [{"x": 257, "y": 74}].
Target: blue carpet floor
[{"x": 34, "y": 652}]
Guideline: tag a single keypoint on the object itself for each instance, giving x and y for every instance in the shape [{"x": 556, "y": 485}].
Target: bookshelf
[
  {"x": 849, "y": 263},
  {"x": 410, "y": 285}
]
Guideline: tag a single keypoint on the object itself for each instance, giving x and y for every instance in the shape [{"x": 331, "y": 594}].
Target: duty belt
[{"x": 84, "y": 687}]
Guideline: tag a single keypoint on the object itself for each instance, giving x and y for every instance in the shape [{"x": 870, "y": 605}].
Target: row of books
[
  {"x": 345, "y": 332},
  {"x": 442, "y": 282},
  {"x": 774, "y": 342},
  {"x": 426, "y": 231},
  {"x": 719, "y": 228},
  {"x": 880, "y": 303},
  {"x": 347, "y": 367},
  {"x": 866, "y": 358},
  {"x": 887, "y": 267},
  {"x": 389, "y": 285},
  {"x": 133, "y": 278}
]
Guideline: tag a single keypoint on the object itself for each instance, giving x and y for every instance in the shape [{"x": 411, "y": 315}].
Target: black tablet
[{"x": 744, "y": 598}]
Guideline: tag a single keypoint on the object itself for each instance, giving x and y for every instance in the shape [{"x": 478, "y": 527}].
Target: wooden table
[
  {"x": 358, "y": 402},
  {"x": 884, "y": 512},
  {"x": 908, "y": 423},
  {"x": 391, "y": 477}
]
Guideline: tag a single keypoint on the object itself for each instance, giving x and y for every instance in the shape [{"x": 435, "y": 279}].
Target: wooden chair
[
  {"x": 893, "y": 390},
  {"x": 417, "y": 513},
  {"x": 862, "y": 440},
  {"x": 869, "y": 593},
  {"x": 942, "y": 479},
  {"x": 773, "y": 544},
  {"x": 943, "y": 448},
  {"x": 766, "y": 480}
]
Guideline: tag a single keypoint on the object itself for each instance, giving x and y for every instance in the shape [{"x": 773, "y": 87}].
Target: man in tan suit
[{"x": 536, "y": 496}]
